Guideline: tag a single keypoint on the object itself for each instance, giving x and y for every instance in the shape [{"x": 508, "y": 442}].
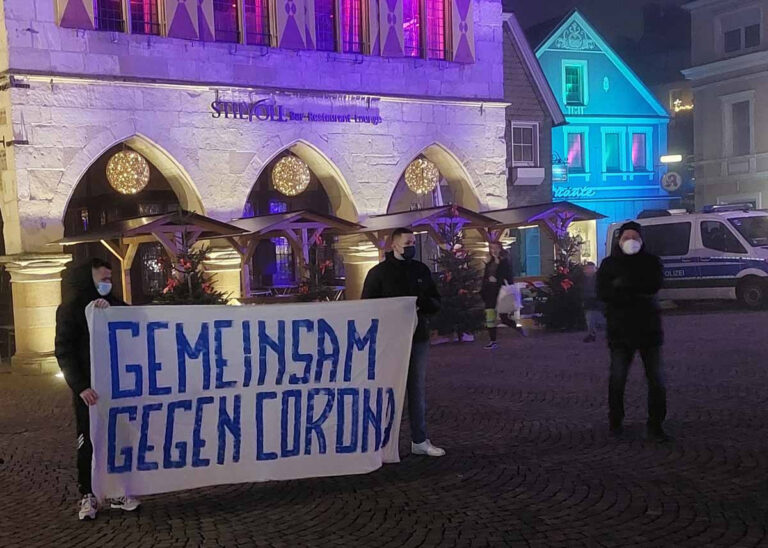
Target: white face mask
[
  {"x": 104, "y": 288},
  {"x": 631, "y": 247}
]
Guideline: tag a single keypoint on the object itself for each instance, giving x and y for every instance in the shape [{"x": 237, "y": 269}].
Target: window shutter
[
  {"x": 205, "y": 20},
  {"x": 75, "y": 14},
  {"x": 373, "y": 27},
  {"x": 182, "y": 19},
  {"x": 310, "y": 30},
  {"x": 290, "y": 18},
  {"x": 391, "y": 28},
  {"x": 462, "y": 19}
]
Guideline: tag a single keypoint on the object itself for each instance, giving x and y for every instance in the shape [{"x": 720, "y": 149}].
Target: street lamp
[{"x": 672, "y": 159}]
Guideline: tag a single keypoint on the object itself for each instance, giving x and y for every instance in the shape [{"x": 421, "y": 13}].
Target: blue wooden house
[{"x": 609, "y": 151}]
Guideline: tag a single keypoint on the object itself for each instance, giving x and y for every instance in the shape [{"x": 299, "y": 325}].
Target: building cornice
[
  {"x": 83, "y": 79},
  {"x": 718, "y": 68}
]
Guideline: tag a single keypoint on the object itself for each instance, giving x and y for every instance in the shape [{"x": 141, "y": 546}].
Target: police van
[{"x": 721, "y": 253}]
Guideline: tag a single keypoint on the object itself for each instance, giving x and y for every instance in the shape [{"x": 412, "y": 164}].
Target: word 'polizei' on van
[{"x": 720, "y": 253}]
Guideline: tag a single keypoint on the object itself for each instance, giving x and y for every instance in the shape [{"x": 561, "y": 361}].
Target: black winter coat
[
  {"x": 628, "y": 285},
  {"x": 73, "y": 350},
  {"x": 395, "y": 278}
]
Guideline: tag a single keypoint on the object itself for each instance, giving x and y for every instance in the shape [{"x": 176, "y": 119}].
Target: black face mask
[{"x": 409, "y": 252}]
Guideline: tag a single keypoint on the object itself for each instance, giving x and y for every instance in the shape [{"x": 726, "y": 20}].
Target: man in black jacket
[
  {"x": 628, "y": 282},
  {"x": 91, "y": 282},
  {"x": 399, "y": 275}
]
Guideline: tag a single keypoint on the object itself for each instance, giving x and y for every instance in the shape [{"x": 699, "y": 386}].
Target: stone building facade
[
  {"x": 211, "y": 115},
  {"x": 728, "y": 75}
]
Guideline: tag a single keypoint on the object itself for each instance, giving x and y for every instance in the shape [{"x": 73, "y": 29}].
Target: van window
[
  {"x": 667, "y": 240},
  {"x": 715, "y": 235}
]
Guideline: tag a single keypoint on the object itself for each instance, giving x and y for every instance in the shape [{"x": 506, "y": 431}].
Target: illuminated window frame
[
  {"x": 583, "y": 67},
  {"x": 623, "y": 149},
  {"x": 584, "y": 131},
  {"x": 649, "y": 146}
]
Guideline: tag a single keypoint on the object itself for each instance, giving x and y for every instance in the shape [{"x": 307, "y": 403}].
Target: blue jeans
[{"x": 417, "y": 391}]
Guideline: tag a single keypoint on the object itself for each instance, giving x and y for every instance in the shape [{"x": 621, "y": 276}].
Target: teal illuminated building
[{"x": 615, "y": 134}]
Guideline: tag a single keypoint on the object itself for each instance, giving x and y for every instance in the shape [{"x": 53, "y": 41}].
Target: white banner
[{"x": 191, "y": 396}]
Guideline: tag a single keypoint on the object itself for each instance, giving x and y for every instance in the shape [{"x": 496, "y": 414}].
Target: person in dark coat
[
  {"x": 89, "y": 283},
  {"x": 400, "y": 275},
  {"x": 497, "y": 272},
  {"x": 628, "y": 282}
]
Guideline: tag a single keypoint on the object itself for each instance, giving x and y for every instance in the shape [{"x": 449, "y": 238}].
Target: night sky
[{"x": 613, "y": 18}]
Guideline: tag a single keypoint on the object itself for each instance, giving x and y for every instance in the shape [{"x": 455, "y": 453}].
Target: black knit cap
[{"x": 631, "y": 225}]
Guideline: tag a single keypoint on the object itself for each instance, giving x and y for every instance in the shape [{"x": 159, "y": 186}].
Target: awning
[
  {"x": 302, "y": 228},
  {"x": 122, "y": 238},
  {"x": 198, "y": 227},
  {"x": 433, "y": 220},
  {"x": 556, "y": 216}
]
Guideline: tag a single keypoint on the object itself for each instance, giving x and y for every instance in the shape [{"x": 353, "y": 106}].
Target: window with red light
[
  {"x": 145, "y": 17},
  {"x": 352, "y": 26},
  {"x": 225, "y": 21},
  {"x": 436, "y": 32},
  {"x": 412, "y": 28},
  {"x": 257, "y": 22},
  {"x": 325, "y": 25}
]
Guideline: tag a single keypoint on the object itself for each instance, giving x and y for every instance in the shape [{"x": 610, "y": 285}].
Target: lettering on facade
[
  {"x": 579, "y": 192},
  {"x": 270, "y": 110}
]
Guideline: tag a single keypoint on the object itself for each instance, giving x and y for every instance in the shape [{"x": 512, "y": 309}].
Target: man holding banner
[
  {"x": 400, "y": 275},
  {"x": 90, "y": 283}
]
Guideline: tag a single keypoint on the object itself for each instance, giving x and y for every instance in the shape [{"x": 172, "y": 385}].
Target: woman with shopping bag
[{"x": 496, "y": 277}]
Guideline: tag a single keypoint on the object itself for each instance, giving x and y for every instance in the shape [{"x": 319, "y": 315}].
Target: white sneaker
[
  {"x": 129, "y": 504},
  {"x": 426, "y": 448},
  {"x": 88, "y": 507}
]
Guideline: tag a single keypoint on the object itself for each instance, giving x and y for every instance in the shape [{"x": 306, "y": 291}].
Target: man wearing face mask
[
  {"x": 628, "y": 282},
  {"x": 91, "y": 282},
  {"x": 400, "y": 275}
]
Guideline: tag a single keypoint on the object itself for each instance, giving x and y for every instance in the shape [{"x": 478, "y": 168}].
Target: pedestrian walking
[
  {"x": 497, "y": 273},
  {"x": 592, "y": 306},
  {"x": 400, "y": 275},
  {"x": 91, "y": 282},
  {"x": 628, "y": 282}
]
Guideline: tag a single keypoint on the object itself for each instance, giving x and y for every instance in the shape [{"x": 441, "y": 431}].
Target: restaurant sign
[
  {"x": 570, "y": 193},
  {"x": 340, "y": 109}
]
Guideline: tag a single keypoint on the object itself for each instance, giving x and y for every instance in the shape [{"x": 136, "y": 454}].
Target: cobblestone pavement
[{"x": 529, "y": 460}]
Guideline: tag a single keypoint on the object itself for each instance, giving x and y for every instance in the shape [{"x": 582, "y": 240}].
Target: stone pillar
[
  {"x": 225, "y": 264},
  {"x": 36, "y": 286},
  {"x": 360, "y": 255}
]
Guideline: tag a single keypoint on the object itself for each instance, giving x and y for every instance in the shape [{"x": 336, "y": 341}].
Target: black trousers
[
  {"x": 621, "y": 359},
  {"x": 84, "y": 447}
]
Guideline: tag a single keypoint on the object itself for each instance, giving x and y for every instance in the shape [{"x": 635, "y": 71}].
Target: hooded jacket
[
  {"x": 628, "y": 285},
  {"x": 398, "y": 278},
  {"x": 73, "y": 349}
]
